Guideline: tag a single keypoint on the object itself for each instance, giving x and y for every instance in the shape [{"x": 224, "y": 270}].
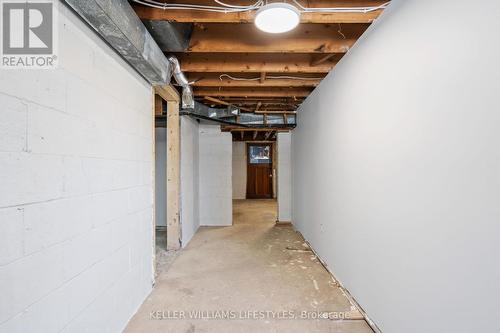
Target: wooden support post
[
  {"x": 173, "y": 175},
  {"x": 173, "y": 166}
]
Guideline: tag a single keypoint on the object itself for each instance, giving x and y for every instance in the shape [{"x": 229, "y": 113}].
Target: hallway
[{"x": 250, "y": 266}]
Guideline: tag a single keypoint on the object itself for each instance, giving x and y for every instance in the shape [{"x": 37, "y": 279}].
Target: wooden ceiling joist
[
  {"x": 306, "y": 38},
  {"x": 322, "y": 59},
  {"x": 253, "y": 92},
  {"x": 253, "y": 80},
  {"x": 232, "y": 63},
  {"x": 264, "y": 100},
  {"x": 218, "y": 101},
  {"x": 254, "y": 63},
  {"x": 246, "y": 17},
  {"x": 252, "y": 107},
  {"x": 232, "y": 128},
  {"x": 276, "y": 112}
]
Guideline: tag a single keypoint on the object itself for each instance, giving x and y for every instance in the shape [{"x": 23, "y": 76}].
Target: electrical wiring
[
  {"x": 255, "y": 5},
  {"x": 365, "y": 9},
  {"x": 227, "y": 8},
  {"x": 224, "y": 8},
  {"x": 286, "y": 77}
]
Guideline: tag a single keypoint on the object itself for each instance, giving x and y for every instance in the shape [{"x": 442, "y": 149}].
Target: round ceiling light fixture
[{"x": 277, "y": 17}]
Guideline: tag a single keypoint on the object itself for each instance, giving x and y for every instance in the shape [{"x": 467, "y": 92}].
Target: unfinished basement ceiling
[{"x": 229, "y": 61}]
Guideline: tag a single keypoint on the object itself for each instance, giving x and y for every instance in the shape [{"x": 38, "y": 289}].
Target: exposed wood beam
[
  {"x": 173, "y": 176},
  {"x": 269, "y": 106},
  {"x": 253, "y": 63},
  {"x": 218, "y": 101},
  {"x": 255, "y": 134},
  {"x": 245, "y": 17},
  {"x": 214, "y": 80},
  {"x": 242, "y": 135},
  {"x": 233, "y": 128},
  {"x": 322, "y": 59},
  {"x": 171, "y": 96},
  {"x": 264, "y": 100},
  {"x": 266, "y": 136},
  {"x": 168, "y": 93},
  {"x": 306, "y": 38},
  {"x": 268, "y": 92},
  {"x": 275, "y": 112}
]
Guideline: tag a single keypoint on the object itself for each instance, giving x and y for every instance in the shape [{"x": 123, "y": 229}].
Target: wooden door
[{"x": 259, "y": 171}]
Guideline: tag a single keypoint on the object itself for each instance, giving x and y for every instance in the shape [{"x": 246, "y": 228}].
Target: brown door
[{"x": 259, "y": 171}]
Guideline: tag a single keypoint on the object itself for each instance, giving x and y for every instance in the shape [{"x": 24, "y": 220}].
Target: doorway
[{"x": 259, "y": 171}]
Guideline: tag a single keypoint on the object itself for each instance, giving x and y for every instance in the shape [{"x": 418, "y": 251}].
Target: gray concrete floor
[{"x": 251, "y": 269}]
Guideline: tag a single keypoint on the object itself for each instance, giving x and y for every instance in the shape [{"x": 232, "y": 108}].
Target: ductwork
[
  {"x": 117, "y": 23},
  {"x": 180, "y": 78},
  {"x": 232, "y": 116},
  {"x": 170, "y": 36}
]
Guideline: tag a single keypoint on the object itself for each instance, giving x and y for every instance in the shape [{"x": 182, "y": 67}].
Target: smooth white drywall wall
[
  {"x": 189, "y": 179},
  {"x": 161, "y": 176},
  {"x": 215, "y": 173},
  {"x": 76, "y": 190},
  {"x": 284, "y": 175},
  {"x": 396, "y": 165},
  {"x": 239, "y": 170}
]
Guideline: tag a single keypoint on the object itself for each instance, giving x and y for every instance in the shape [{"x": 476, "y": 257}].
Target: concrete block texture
[
  {"x": 215, "y": 176},
  {"x": 76, "y": 192}
]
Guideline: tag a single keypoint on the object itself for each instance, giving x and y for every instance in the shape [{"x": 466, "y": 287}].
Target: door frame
[{"x": 271, "y": 179}]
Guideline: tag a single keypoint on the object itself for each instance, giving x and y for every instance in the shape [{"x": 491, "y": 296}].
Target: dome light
[{"x": 277, "y": 17}]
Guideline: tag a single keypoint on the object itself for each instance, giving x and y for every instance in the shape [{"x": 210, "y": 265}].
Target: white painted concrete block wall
[
  {"x": 396, "y": 165},
  {"x": 284, "y": 174},
  {"x": 190, "y": 217},
  {"x": 239, "y": 178},
  {"x": 75, "y": 190},
  {"x": 215, "y": 173}
]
